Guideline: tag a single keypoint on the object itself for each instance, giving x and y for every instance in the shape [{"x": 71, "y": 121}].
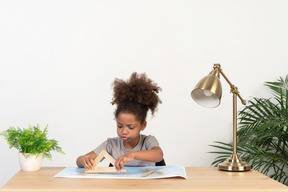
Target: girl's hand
[
  {"x": 123, "y": 160},
  {"x": 87, "y": 160}
]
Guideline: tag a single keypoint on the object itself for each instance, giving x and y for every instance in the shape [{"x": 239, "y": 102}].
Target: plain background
[{"x": 58, "y": 59}]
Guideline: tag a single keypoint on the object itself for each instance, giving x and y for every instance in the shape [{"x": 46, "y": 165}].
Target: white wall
[{"x": 59, "y": 58}]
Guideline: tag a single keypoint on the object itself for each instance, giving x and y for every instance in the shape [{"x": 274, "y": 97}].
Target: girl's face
[{"x": 129, "y": 128}]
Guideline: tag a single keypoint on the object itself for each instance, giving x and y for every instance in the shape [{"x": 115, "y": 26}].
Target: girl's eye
[
  {"x": 119, "y": 126},
  {"x": 131, "y": 128}
]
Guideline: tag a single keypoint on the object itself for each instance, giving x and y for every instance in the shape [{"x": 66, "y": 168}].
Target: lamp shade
[{"x": 208, "y": 90}]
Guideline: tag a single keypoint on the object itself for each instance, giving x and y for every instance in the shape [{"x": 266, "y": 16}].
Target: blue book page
[{"x": 155, "y": 172}]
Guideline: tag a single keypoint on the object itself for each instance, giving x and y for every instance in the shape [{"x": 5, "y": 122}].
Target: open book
[{"x": 155, "y": 172}]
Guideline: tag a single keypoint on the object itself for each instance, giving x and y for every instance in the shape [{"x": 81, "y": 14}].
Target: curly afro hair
[{"x": 137, "y": 95}]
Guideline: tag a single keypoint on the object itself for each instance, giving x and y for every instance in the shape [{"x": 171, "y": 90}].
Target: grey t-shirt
[{"x": 115, "y": 147}]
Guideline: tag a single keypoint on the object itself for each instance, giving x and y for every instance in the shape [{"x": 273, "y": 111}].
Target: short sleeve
[
  {"x": 150, "y": 142},
  {"x": 102, "y": 146}
]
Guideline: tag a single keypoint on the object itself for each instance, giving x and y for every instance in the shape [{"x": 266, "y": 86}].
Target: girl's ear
[{"x": 143, "y": 126}]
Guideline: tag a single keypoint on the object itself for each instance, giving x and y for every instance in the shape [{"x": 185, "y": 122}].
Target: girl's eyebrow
[{"x": 127, "y": 124}]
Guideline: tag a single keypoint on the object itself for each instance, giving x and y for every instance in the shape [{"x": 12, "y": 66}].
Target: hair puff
[{"x": 137, "y": 89}]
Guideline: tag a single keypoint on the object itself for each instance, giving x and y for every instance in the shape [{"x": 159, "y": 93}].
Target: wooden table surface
[{"x": 200, "y": 179}]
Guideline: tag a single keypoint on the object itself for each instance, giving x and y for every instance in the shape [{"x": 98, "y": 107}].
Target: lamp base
[{"x": 234, "y": 163}]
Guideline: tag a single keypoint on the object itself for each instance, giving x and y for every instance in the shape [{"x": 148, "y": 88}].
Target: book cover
[{"x": 155, "y": 172}]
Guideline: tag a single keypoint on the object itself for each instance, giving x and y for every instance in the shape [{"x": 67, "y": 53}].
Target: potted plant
[
  {"x": 32, "y": 144},
  {"x": 263, "y": 133}
]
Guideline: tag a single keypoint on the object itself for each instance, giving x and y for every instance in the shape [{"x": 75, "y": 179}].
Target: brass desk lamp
[{"x": 207, "y": 93}]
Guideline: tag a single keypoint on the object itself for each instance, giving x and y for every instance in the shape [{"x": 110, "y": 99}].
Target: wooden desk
[{"x": 204, "y": 179}]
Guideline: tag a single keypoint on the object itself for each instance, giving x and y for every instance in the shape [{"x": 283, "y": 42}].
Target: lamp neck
[{"x": 234, "y": 89}]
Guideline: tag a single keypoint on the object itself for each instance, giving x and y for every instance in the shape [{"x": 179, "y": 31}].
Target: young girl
[{"x": 133, "y": 99}]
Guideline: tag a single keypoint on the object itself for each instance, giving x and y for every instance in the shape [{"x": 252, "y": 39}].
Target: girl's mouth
[{"x": 124, "y": 138}]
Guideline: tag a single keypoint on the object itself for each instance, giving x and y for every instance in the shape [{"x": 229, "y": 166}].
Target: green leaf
[{"x": 31, "y": 140}]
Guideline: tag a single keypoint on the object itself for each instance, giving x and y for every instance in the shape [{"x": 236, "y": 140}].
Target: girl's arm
[
  {"x": 87, "y": 160},
  {"x": 154, "y": 155}
]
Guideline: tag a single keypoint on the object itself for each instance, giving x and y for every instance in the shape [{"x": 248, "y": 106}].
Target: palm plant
[{"x": 262, "y": 137}]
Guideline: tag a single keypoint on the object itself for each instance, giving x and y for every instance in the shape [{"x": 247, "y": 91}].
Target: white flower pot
[{"x": 32, "y": 163}]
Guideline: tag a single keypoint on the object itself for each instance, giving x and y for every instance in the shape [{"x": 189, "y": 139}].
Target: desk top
[{"x": 204, "y": 179}]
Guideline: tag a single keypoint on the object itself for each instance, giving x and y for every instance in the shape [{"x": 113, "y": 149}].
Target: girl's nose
[{"x": 125, "y": 131}]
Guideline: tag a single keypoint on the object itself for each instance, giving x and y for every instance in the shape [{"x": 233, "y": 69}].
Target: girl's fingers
[
  {"x": 117, "y": 167},
  {"x": 91, "y": 163},
  {"x": 122, "y": 165},
  {"x": 88, "y": 163},
  {"x": 119, "y": 164},
  {"x": 85, "y": 165}
]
